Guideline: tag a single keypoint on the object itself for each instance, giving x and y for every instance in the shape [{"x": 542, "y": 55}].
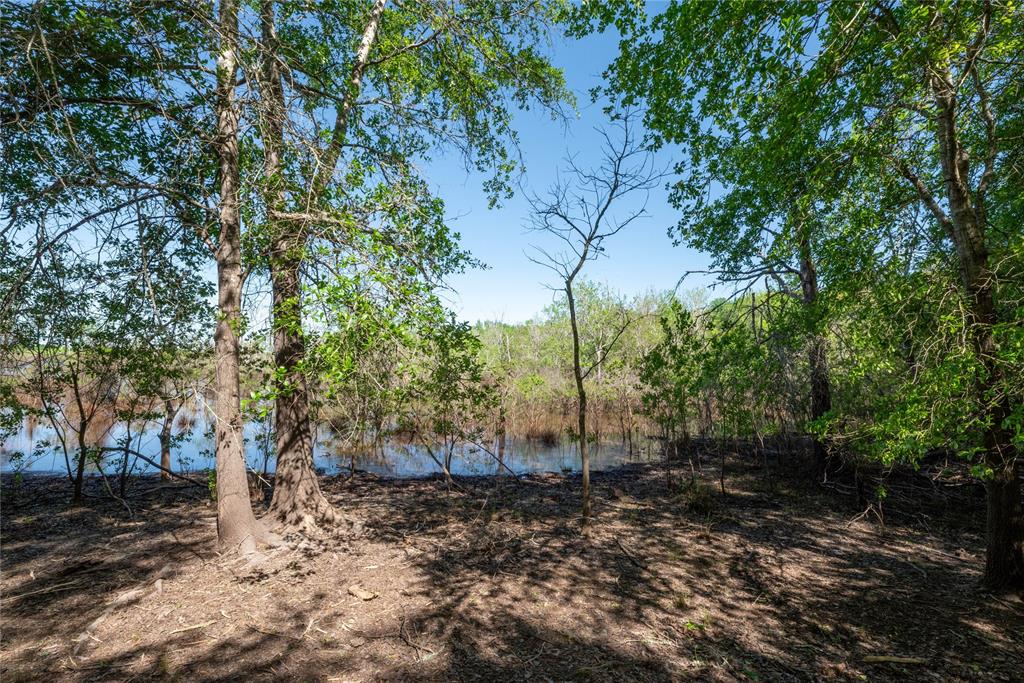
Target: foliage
[
  {"x": 670, "y": 371},
  {"x": 817, "y": 115}
]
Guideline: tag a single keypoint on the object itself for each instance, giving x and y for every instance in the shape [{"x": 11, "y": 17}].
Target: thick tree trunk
[
  {"x": 236, "y": 525},
  {"x": 1004, "y": 534},
  {"x": 1004, "y": 547},
  {"x": 1004, "y": 530},
  {"x": 965, "y": 225},
  {"x": 581, "y": 409},
  {"x": 298, "y": 501}
]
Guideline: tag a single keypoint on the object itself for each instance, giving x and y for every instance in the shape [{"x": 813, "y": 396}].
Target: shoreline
[{"x": 504, "y": 474}]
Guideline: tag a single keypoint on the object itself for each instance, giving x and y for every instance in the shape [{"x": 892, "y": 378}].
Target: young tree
[
  {"x": 579, "y": 212},
  {"x": 90, "y": 342},
  {"x": 497, "y": 357},
  {"x": 670, "y": 371},
  {"x": 449, "y": 399},
  {"x": 70, "y": 349}
]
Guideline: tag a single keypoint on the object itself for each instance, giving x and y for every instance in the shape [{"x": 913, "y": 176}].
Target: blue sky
[{"x": 640, "y": 258}]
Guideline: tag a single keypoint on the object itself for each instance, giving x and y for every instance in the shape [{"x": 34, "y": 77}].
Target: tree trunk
[
  {"x": 965, "y": 225},
  {"x": 1004, "y": 534},
  {"x": 123, "y": 483},
  {"x": 709, "y": 420},
  {"x": 630, "y": 426},
  {"x": 817, "y": 349},
  {"x": 449, "y": 453},
  {"x": 76, "y": 497},
  {"x": 502, "y": 438},
  {"x": 83, "y": 427},
  {"x": 667, "y": 437},
  {"x": 165, "y": 439},
  {"x": 236, "y": 525},
  {"x": 581, "y": 411},
  {"x": 298, "y": 501},
  {"x": 1004, "y": 530}
]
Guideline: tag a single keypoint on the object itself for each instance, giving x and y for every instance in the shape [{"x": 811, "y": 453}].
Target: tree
[
  {"x": 114, "y": 108},
  {"x": 670, "y": 371},
  {"x": 449, "y": 399},
  {"x": 578, "y": 212},
  {"x": 90, "y": 342},
  {"x": 910, "y": 99},
  {"x": 496, "y": 354},
  {"x": 340, "y": 134},
  {"x": 236, "y": 524}
]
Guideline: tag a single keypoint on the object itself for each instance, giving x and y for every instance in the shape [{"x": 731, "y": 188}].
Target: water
[{"x": 35, "y": 449}]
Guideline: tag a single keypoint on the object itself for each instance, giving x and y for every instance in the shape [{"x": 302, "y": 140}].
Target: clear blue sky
[{"x": 512, "y": 289}]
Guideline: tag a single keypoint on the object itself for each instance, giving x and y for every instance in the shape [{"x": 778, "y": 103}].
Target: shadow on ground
[{"x": 493, "y": 581}]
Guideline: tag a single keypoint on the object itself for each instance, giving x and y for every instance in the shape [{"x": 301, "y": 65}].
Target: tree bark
[
  {"x": 965, "y": 225},
  {"x": 165, "y": 439},
  {"x": 76, "y": 496},
  {"x": 83, "y": 427},
  {"x": 297, "y": 501},
  {"x": 236, "y": 524},
  {"x": 502, "y": 438},
  {"x": 1004, "y": 568},
  {"x": 817, "y": 350},
  {"x": 341, "y": 118},
  {"x": 581, "y": 410}
]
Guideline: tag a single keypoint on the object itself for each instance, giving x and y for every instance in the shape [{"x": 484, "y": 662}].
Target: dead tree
[{"x": 578, "y": 211}]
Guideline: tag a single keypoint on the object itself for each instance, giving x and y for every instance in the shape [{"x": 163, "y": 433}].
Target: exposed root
[
  {"x": 313, "y": 519},
  {"x": 261, "y": 536}
]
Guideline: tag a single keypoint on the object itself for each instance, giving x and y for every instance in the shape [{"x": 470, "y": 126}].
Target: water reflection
[{"x": 36, "y": 449}]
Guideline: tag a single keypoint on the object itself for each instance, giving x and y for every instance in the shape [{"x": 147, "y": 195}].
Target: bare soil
[{"x": 494, "y": 581}]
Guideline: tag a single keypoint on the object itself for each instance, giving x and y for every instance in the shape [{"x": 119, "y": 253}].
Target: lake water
[{"x": 194, "y": 453}]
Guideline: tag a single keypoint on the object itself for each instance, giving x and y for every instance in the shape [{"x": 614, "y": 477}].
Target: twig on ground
[
  {"x": 630, "y": 555},
  {"x": 193, "y": 627},
  {"x": 408, "y": 641},
  {"x": 880, "y": 659},
  {"x": 50, "y": 589},
  {"x": 273, "y": 633}
]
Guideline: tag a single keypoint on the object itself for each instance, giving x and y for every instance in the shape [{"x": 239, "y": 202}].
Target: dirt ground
[{"x": 494, "y": 582}]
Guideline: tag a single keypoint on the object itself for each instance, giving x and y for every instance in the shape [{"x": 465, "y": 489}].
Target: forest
[{"x": 247, "y": 434}]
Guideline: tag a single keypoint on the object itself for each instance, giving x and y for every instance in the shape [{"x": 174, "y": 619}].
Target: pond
[{"x": 35, "y": 449}]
